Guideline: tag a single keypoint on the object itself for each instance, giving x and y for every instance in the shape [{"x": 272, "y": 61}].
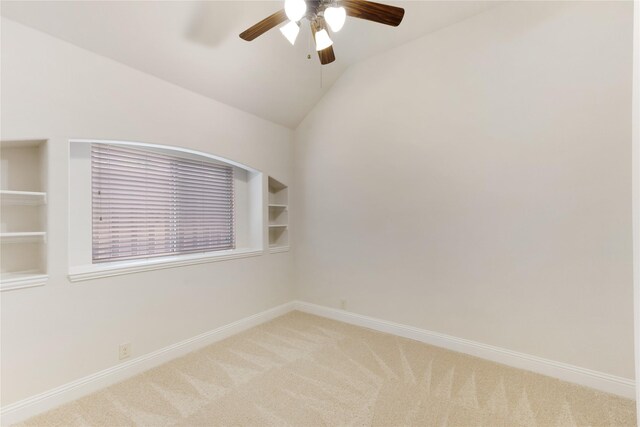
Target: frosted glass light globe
[
  {"x": 295, "y": 9},
  {"x": 290, "y": 31},
  {"x": 323, "y": 40},
  {"x": 335, "y": 17}
]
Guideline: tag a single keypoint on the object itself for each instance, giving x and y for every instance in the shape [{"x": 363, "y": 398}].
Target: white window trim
[
  {"x": 79, "y": 273},
  {"x": 118, "y": 268}
]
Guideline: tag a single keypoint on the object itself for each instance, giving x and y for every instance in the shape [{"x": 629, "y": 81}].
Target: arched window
[
  {"x": 138, "y": 206},
  {"x": 150, "y": 204}
]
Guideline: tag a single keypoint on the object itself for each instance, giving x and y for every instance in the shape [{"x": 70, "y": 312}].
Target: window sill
[{"x": 96, "y": 271}]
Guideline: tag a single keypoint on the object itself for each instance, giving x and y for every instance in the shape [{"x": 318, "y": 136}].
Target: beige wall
[
  {"x": 61, "y": 332},
  {"x": 476, "y": 182}
]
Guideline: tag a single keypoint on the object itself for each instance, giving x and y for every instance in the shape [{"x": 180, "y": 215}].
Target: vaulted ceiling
[{"x": 196, "y": 45}]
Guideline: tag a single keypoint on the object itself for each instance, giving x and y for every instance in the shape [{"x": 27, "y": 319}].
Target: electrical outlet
[
  {"x": 343, "y": 304},
  {"x": 124, "y": 350}
]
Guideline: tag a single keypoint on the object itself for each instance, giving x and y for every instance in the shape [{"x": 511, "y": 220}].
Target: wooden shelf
[
  {"x": 274, "y": 249},
  {"x": 23, "y": 198},
  {"x": 28, "y": 198},
  {"x": 278, "y": 216},
  {"x": 278, "y": 193},
  {"x": 275, "y": 185},
  {"x": 23, "y": 237},
  {"x": 18, "y": 280}
]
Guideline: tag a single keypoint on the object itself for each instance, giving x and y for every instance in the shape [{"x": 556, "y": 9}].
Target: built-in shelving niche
[
  {"x": 278, "y": 216},
  {"x": 23, "y": 216}
]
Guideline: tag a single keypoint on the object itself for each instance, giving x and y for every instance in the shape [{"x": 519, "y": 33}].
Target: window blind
[{"x": 150, "y": 204}]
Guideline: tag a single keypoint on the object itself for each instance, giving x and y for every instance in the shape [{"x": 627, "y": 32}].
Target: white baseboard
[
  {"x": 34, "y": 405},
  {"x": 39, "y": 403},
  {"x": 598, "y": 380}
]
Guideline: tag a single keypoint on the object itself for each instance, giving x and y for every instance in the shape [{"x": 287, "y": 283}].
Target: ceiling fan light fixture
[
  {"x": 335, "y": 17},
  {"x": 295, "y": 9},
  {"x": 323, "y": 15},
  {"x": 290, "y": 31},
  {"x": 323, "y": 40}
]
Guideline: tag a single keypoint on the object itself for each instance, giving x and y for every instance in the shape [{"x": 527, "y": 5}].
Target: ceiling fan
[{"x": 323, "y": 15}]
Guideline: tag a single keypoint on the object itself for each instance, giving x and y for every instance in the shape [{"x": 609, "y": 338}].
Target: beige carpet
[{"x": 302, "y": 370}]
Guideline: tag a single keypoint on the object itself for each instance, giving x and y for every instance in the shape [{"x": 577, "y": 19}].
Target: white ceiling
[{"x": 196, "y": 45}]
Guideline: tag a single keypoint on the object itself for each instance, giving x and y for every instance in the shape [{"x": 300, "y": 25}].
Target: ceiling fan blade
[
  {"x": 376, "y": 12},
  {"x": 327, "y": 56},
  {"x": 263, "y": 26}
]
